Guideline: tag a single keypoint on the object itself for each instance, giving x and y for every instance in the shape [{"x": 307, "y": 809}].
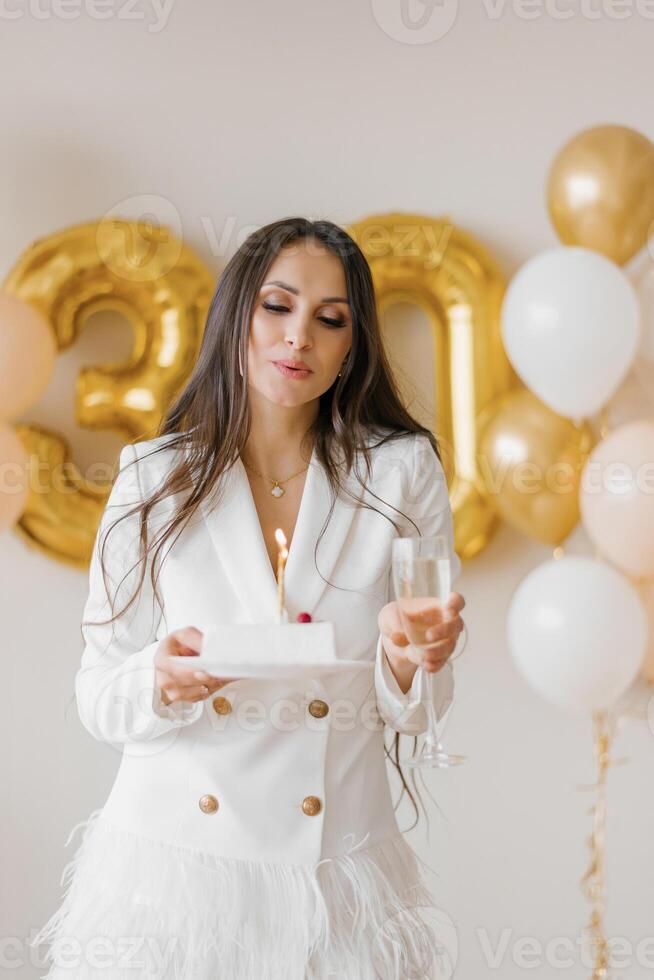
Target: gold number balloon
[
  {"x": 144, "y": 272},
  {"x": 600, "y": 191},
  {"x": 451, "y": 276}
]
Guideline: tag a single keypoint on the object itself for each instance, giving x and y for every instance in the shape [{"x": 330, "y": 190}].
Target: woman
[{"x": 268, "y": 848}]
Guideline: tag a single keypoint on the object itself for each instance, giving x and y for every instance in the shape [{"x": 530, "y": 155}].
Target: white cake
[
  {"x": 264, "y": 643},
  {"x": 271, "y": 650}
]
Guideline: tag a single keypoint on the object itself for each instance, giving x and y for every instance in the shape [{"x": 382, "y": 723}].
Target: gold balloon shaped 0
[
  {"x": 164, "y": 289},
  {"x": 452, "y": 277},
  {"x": 532, "y": 460},
  {"x": 600, "y": 191}
]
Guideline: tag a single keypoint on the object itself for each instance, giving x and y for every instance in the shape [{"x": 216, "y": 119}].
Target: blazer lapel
[{"x": 236, "y": 533}]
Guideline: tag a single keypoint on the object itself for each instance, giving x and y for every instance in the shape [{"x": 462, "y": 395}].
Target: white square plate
[{"x": 280, "y": 670}]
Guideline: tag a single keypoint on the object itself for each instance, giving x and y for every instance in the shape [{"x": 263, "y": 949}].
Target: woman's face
[{"x": 301, "y": 314}]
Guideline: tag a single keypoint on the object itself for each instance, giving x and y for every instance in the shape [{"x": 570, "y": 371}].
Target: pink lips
[{"x": 297, "y": 373}]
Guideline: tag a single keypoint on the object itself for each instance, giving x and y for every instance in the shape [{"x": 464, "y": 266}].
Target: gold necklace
[{"x": 277, "y": 489}]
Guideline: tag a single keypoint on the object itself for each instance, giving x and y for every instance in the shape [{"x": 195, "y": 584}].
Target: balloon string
[
  {"x": 604, "y": 420},
  {"x": 593, "y": 882}
]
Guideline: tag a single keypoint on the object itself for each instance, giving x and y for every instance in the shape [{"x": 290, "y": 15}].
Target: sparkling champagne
[{"x": 422, "y": 585}]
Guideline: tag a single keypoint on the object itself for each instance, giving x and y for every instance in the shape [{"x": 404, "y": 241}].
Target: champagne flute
[{"x": 422, "y": 580}]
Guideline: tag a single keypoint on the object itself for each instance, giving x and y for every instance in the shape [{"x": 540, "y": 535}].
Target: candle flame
[{"x": 282, "y": 555}]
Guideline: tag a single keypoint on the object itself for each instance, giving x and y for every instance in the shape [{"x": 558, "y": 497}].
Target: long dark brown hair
[{"x": 211, "y": 417}]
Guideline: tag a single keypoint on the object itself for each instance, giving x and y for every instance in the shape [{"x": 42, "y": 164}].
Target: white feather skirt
[{"x": 135, "y": 907}]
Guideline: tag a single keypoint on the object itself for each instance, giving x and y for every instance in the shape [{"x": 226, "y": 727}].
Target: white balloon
[
  {"x": 571, "y": 328},
  {"x": 577, "y": 631}
]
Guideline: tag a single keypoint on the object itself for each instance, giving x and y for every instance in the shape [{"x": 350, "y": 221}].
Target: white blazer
[{"x": 281, "y": 771}]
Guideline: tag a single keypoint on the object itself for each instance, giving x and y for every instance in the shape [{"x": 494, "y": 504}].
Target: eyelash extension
[{"x": 284, "y": 309}]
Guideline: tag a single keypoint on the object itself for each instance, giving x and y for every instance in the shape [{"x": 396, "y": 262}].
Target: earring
[{"x": 342, "y": 365}]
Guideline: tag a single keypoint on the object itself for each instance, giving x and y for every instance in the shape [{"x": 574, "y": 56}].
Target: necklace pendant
[{"x": 277, "y": 491}]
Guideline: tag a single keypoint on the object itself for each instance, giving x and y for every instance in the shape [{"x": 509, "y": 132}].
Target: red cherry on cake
[{"x": 304, "y": 617}]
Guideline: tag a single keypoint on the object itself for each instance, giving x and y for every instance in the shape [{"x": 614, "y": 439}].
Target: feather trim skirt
[{"x": 134, "y": 907}]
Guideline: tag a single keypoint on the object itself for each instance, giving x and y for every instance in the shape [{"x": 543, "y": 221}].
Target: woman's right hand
[{"x": 176, "y": 681}]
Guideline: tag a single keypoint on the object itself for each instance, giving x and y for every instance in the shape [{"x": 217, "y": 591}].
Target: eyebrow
[{"x": 292, "y": 289}]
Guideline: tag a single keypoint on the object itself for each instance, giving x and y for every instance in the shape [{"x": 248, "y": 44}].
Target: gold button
[
  {"x": 311, "y": 805},
  {"x": 208, "y": 803},
  {"x": 222, "y": 705},
  {"x": 318, "y": 708}
]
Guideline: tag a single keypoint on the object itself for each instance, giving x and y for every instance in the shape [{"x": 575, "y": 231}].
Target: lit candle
[{"x": 282, "y": 555}]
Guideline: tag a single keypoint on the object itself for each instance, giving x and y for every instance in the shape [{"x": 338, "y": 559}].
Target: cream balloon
[
  {"x": 617, "y": 498},
  {"x": 14, "y": 477},
  {"x": 571, "y": 327},
  {"x": 577, "y": 631},
  {"x": 647, "y": 669},
  {"x": 27, "y": 355}
]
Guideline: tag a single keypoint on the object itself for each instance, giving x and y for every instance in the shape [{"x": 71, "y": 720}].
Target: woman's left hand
[
  {"x": 442, "y": 636},
  {"x": 445, "y": 634}
]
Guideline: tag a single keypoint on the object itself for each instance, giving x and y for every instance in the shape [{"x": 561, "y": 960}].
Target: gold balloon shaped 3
[
  {"x": 532, "y": 460},
  {"x": 600, "y": 191},
  {"x": 15, "y": 476},
  {"x": 164, "y": 289}
]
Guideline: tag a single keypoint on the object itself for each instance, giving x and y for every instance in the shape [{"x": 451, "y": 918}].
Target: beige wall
[{"x": 235, "y": 114}]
